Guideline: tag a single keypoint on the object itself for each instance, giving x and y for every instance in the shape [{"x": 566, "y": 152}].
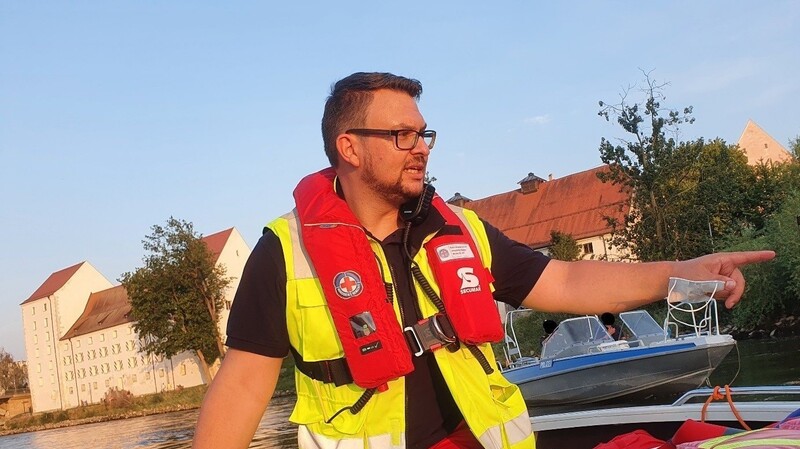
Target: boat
[
  {"x": 757, "y": 407},
  {"x": 581, "y": 364}
]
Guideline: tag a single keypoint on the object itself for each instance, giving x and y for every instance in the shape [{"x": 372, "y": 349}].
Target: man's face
[{"x": 395, "y": 174}]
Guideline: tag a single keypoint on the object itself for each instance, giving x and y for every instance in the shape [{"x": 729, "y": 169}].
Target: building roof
[
  {"x": 216, "y": 242},
  {"x": 53, "y": 283},
  {"x": 106, "y": 308},
  {"x": 574, "y": 204},
  {"x": 758, "y": 145}
]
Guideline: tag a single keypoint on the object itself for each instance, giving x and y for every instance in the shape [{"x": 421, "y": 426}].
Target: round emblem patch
[
  {"x": 443, "y": 253},
  {"x": 348, "y": 284}
]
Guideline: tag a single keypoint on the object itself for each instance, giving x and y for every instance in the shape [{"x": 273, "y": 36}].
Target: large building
[
  {"x": 576, "y": 204},
  {"x": 80, "y": 341},
  {"x": 760, "y": 146}
]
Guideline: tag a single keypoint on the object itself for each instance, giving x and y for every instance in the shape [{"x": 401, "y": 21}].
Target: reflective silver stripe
[
  {"x": 301, "y": 266},
  {"x": 459, "y": 211},
  {"x": 518, "y": 428},
  {"x": 308, "y": 440},
  {"x": 492, "y": 438}
]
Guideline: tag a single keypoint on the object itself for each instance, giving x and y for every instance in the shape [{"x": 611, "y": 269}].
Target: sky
[{"x": 115, "y": 116}]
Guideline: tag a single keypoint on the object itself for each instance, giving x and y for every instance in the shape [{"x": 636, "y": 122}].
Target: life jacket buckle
[{"x": 430, "y": 334}]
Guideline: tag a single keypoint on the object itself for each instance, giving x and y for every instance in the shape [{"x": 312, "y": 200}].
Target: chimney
[
  {"x": 530, "y": 183},
  {"x": 458, "y": 200}
]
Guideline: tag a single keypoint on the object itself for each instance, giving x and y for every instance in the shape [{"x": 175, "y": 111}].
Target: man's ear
[{"x": 348, "y": 147}]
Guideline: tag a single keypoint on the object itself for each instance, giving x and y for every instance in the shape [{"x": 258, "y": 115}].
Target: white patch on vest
[
  {"x": 469, "y": 282},
  {"x": 454, "y": 251}
]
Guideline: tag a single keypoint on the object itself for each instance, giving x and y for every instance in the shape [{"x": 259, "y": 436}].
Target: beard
[{"x": 392, "y": 190}]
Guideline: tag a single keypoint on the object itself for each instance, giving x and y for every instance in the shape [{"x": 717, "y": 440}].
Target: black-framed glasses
[{"x": 404, "y": 139}]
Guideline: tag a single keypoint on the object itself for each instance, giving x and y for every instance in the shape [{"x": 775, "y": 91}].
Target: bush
[
  {"x": 773, "y": 288},
  {"x": 116, "y": 398}
]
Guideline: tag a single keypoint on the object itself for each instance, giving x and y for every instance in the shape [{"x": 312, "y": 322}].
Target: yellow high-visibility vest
[{"x": 492, "y": 407}]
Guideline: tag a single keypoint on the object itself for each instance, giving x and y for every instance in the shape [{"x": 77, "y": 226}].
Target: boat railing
[
  {"x": 774, "y": 390},
  {"x": 691, "y": 304}
]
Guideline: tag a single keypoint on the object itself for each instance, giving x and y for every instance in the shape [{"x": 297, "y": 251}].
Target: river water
[{"x": 763, "y": 362}]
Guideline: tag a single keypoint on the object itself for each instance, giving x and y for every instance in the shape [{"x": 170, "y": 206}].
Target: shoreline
[{"x": 119, "y": 415}]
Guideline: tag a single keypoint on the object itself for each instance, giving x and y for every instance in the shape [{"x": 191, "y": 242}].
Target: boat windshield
[
  {"x": 575, "y": 336},
  {"x": 643, "y": 326}
]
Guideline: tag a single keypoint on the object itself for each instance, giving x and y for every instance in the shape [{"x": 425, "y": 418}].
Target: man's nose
[{"x": 421, "y": 148}]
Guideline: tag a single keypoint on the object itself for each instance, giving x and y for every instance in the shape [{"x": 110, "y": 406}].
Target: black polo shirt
[{"x": 257, "y": 321}]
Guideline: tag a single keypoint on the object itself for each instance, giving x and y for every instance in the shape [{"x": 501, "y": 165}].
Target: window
[
  {"x": 103, "y": 351},
  {"x": 46, "y": 322},
  {"x": 94, "y": 385},
  {"x": 69, "y": 375},
  {"x": 66, "y": 346},
  {"x": 588, "y": 248},
  {"x": 47, "y": 336},
  {"x": 183, "y": 369},
  {"x": 45, "y": 307},
  {"x": 38, "y": 367},
  {"x": 115, "y": 334},
  {"x": 108, "y": 383},
  {"x": 52, "y": 378},
  {"x": 77, "y": 343},
  {"x": 34, "y": 325},
  {"x": 79, "y": 357},
  {"x": 36, "y": 339},
  {"x": 102, "y": 337},
  {"x": 67, "y": 360},
  {"x": 116, "y": 348},
  {"x": 147, "y": 375},
  {"x": 90, "y": 340},
  {"x": 49, "y": 350},
  {"x": 117, "y": 365},
  {"x": 132, "y": 362},
  {"x": 37, "y": 352},
  {"x": 33, "y": 310},
  {"x": 71, "y": 390},
  {"x": 161, "y": 372},
  {"x": 83, "y": 387},
  {"x": 105, "y": 368}
]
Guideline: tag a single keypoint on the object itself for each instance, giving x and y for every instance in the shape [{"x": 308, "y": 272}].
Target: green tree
[
  {"x": 794, "y": 147},
  {"x": 563, "y": 246},
  {"x": 175, "y": 297},
  {"x": 13, "y": 375},
  {"x": 773, "y": 288},
  {"x": 683, "y": 194}
]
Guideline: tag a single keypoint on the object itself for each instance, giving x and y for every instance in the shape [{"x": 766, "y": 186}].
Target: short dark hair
[
  {"x": 607, "y": 318},
  {"x": 346, "y": 106}
]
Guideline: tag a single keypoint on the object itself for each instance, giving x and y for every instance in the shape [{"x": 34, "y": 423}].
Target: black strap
[{"x": 333, "y": 371}]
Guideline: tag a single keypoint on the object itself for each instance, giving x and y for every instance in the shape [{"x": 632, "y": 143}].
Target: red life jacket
[{"x": 373, "y": 342}]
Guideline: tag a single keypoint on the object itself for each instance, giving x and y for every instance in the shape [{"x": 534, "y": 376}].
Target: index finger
[{"x": 747, "y": 257}]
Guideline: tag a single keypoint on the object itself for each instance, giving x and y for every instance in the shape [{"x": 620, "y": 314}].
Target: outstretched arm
[
  {"x": 236, "y": 400},
  {"x": 595, "y": 287}
]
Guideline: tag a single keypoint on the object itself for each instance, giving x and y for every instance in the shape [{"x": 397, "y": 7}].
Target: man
[
  {"x": 382, "y": 294},
  {"x": 608, "y": 320}
]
